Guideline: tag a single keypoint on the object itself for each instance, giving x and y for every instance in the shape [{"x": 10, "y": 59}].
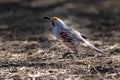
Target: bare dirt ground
[{"x": 28, "y": 50}]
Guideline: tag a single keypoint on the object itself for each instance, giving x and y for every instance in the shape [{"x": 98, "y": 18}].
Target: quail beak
[{"x": 49, "y": 19}]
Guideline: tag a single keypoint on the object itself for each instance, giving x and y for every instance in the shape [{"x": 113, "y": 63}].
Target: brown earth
[{"x": 28, "y": 50}]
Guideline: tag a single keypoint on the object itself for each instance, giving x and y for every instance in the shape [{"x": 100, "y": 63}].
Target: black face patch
[{"x": 53, "y": 23}]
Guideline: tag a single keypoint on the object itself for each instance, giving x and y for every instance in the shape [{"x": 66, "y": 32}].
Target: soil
[{"x": 29, "y": 51}]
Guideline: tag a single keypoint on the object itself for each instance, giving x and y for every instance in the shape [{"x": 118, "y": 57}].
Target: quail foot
[{"x": 69, "y": 36}]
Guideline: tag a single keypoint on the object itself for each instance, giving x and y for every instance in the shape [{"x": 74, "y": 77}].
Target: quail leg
[{"x": 75, "y": 53}]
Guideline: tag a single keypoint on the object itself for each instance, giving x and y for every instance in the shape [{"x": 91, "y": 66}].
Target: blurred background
[
  {"x": 28, "y": 50},
  {"x": 23, "y": 19}
]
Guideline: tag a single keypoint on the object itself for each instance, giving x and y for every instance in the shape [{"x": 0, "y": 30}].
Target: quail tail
[{"x": 93, "y": 47}]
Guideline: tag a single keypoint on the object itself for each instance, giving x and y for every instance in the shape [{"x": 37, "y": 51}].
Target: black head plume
[
  {"x": 46, "y": 18},
  {"x": 50, "y": 20}
]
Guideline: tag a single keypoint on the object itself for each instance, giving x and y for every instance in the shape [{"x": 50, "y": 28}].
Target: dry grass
[{"x": 26, "y": 60}]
